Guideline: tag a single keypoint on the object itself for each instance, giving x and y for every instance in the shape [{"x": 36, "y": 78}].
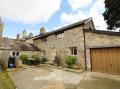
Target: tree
[{"x": 112, "y": 14}]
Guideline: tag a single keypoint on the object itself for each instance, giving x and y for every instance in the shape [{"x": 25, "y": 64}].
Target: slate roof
[
  {"x": 104, "y": 32},
  {"x": 13, "y": 44},
  {"x": 77, "y": 24},
  {"x": 62, "y": 29}
]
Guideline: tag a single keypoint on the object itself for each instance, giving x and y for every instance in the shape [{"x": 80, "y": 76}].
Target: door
[
  {"x": 53, "y": 54},
  {"x": 11, "y": 62},
  {"x": 106, "y": 60}
]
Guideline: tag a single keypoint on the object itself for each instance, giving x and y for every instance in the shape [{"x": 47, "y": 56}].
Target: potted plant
[{"x": 57, "y": 61}]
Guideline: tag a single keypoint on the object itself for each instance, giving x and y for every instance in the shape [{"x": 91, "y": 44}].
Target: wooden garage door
[{"x": 106, "y": 60}]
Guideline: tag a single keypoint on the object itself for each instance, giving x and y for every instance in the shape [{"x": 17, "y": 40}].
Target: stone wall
[
  {"x": 29, "y": 40},
  {"x": 10, "y": 53},
  {"x": 30, "y": 53},
  {"x": 61, "y": 46},
  {"x": 97, "y": 40},
  {"x": 5, "y": 54}
]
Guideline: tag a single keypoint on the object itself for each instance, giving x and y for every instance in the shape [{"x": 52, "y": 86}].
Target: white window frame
[{"x": 72, "y": 51}]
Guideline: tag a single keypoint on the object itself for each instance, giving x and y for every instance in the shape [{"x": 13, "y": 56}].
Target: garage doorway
[{"x": 105, "y": 60}]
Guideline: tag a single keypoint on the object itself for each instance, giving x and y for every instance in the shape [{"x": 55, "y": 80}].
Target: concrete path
[
  {"x": 51, "y": 78},
  {"x": 94, "y": 80}
]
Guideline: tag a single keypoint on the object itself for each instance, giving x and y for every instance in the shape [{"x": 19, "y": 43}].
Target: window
[
  {"x": 43, "y": 40},
  {"x": 17, "y": 54},
  {"x": 13, "y": 54},
  {"x": 60, "y": 35},
  {"x": 73, "y": 51}
]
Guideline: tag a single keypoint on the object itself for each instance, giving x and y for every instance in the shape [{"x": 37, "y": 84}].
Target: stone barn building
[{"x": 95, "y": 50}]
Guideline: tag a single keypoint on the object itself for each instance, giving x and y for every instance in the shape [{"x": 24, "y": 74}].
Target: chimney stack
[
  {"x": 18, "y": 36},
  {"x": 0, "y": 20},
  {"x": 24, "y": 33},
  {"x": 1, "y": 28},
  {"x": 42, "y": 30},
  {"x": 31, "y": 35}
]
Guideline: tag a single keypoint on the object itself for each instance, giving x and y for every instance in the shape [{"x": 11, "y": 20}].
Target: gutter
[{"x": 85, "y": 48}]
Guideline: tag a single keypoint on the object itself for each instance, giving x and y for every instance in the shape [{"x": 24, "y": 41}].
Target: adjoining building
[{"x": 11, "y": 49}]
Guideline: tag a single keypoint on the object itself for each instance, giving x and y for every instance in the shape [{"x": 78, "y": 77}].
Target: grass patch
[{"x": 5, "y": 82}]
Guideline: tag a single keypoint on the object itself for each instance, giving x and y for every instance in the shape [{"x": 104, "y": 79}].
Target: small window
[
  {"x": 13, "y": 54},
  {"x": 17, "y": 54},
  {"x": 60, "y": 35},
  {"x": 73, "y": 51},
  {"x": 44, "y": 40}
]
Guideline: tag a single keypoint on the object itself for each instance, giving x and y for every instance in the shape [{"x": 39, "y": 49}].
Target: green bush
[
  {"x": 57, "y": 61},
  {"x": 70, "y": 60},
  {"x": 24, "y": 58},
  {"x": 44, "y": 59},
  {"x": 36, "y": 58}
]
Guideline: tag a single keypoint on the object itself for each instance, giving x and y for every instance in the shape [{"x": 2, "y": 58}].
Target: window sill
[
  {"x": 74, "y": 55},
  {"x": 60, "y": 38}
]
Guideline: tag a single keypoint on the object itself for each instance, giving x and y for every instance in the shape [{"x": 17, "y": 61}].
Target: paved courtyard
[{"x": 51, "y": 78}]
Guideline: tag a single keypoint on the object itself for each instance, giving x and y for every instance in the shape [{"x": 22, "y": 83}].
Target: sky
[{"x": 31, "y": 15}]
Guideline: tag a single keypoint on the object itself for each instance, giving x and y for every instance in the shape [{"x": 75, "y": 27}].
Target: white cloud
[
  {"x": 29, "y": 11},
  {"x": 70, "y": 18},
  {"x": 76, "y": 4},
  {"x": 95, "y": 12}
]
